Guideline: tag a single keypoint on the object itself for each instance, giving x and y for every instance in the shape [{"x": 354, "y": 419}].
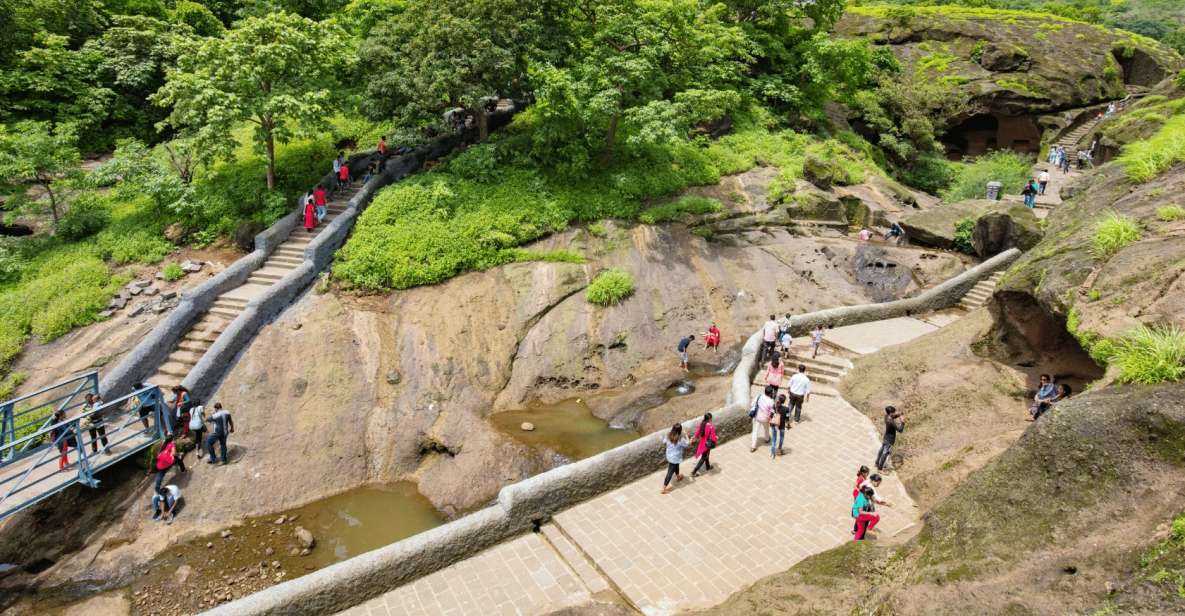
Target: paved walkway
[
  {"x": 864, "y": 338},
  {"x": 751, "y": 517}
]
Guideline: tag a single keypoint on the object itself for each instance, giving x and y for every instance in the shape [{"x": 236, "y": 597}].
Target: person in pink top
[
  {"x": 706, "y": 435},
  {"x": 774, "y": 372},
  {"x": 761, "y": 411}
]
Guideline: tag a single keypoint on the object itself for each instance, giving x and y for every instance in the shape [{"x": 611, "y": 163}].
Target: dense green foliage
[
  {"x": 1150, "y": 355},
  {"x": 970, "y": 181},
  {"x": 1112, "y": 232},
  {"x": 1148, "y": 158},
  {"x": 964, "y": 230},
  {"x": 679, "y": 209},
  {"x": 610, "y": 287}
]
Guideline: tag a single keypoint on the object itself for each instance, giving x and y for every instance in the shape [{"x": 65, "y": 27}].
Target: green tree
[
  {"x": 34, "y": 154},
  {"x": 135, "y": 170},
  {"x": 52, "y": 82},
  {"x": 278, "y": 73},
  {"x": 446, "y": 54}
]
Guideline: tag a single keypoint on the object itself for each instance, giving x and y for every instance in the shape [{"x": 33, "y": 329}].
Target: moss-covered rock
[
  {"x": 936, "y": 226},
  {"x": 999, "y": 230}
]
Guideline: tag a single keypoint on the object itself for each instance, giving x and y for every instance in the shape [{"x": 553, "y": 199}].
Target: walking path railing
[{"x": 34, "y": 445}]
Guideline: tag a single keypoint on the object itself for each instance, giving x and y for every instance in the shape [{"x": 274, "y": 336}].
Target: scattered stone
[
  {"x": 137, "y": 310},
  {"x": 191, "y": 267},
  {"x": 281, "y": 520},
  {"x": 168, "y": 294},
  {"x": 269, "y": 551},
  {"x": 160, "y": 275},
  {"x": 224, "y": 534},
  {"x": 135, "y": 290},
  {"x": 181, "y": 575},
  {"x": 118, "y": 302},
  {"x": 307, "y": 541},
  {"x": 394, "y": 377},
  {"x": 150, "y": 291},
  {"x": 293, "y": 517},
  {"x": 210, "y": 545},
  {"x": 297, "y": 325},
  {"x": 159, "y": 308},
  {"x": 275, "y": 564},
  {"x": 142, "y": 283},
  {"x": 305, "y": 552},
  {"x": 294, "y": 552},
  {"x": 106, "y": 314},
  {"x": 527, "y": 427}
]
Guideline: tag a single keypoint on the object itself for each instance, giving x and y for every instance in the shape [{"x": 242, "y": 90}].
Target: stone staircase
[
  {"x": 825, "y": 371},
  {"x": 1070, "y": 140},
  {"x": 980, "y": 293},
  {"x": 286, "y": 257}
]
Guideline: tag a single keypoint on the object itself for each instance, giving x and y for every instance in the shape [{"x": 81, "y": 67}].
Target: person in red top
[
  {"x": 712, "y": 338},
  {"x": 706, "y": 435},
  {"x": 310, "y": 216},
  {"x": 319, "y": 202},
  {"x": 343, "y": 176},
  {"x": 383, "y": 146}
]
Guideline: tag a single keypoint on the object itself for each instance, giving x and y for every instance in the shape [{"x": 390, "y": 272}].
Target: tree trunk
[
  {"x": 483, "y": 123},
  {"x": 53, "y": 202},
  {"x": 611, "y": 138},
  {"x": 271, "y": 160}
]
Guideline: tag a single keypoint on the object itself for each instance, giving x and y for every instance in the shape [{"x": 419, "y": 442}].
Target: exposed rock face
[
  {"x": 999, "y": 230},
  {"x": 1015, "y": 63},
  {"x": 936, "y": 226}
]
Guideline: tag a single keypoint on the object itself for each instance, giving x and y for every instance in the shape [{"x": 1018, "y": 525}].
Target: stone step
[
  {"x": 229, "y": 304},
  {"x": 200, "y": 337},
  {"x": 270, "y": 273},
  {"x": 978, "y": 294},
  {"x": 231, "y": 300},
  {"x": 184, "y": 357},
  {"x": 813, "y": 369},
  {"x": 175, "y": 370},
  {"x": 294, "y": 251},
  {"x": 822, "y": 362},
  {"x": 195, "y": 346},
  {"x": 225, "y": 313},
  {"x": 291, "y": 262},
  {"x": 266, "y": 282},
  {"x": 210, "y": 323}
]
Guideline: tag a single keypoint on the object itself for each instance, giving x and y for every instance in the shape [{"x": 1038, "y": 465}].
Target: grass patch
[
  {"x": 610, "y": 287},
  {"x": 1011, "y": 169},
  {"x": 172, "y": 272},
  {"x": 1169, "y": 213},
  {"x": 1150, "y": 355},
  {"x": 598, "y": 230},
  {"x": 680, "y": 210},
  {"x": 1163, "y": 563},
  {"x": 520, "y": 255},
  {"x": 1144, "y": 160},
  {"x": 1111, "y": 233}
]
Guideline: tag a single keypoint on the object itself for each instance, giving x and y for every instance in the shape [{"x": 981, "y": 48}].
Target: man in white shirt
[
  {"x": 875, "y": 482},
  {"x": 164, "y": 503},
  {"x": 1043, "y": 181},
  {"x": 769, "y": 336},
  {"x": 800, "y": 391}
]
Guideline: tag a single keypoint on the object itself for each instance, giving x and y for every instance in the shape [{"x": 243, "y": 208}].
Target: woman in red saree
[{"x": 310, "y": 218}]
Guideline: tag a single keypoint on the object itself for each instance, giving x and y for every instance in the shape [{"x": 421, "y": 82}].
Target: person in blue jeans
[
  {"x": 224, "y": 426},
  {"x": 777, "y": 427}
]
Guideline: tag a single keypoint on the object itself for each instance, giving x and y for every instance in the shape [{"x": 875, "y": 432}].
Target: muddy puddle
[{"x": 568, "y": 428}]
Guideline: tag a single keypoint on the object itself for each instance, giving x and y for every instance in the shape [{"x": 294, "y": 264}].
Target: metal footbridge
[{"x": 41, "y": 456}]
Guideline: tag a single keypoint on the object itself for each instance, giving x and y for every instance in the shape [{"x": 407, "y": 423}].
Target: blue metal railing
[{"x": 79, "y": 443}]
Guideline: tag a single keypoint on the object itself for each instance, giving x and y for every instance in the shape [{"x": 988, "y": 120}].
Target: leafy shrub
[
  {"x": 1112, "y": 232},
  {"x": 1169, "y": 213},
  {"x": 520, "y": 255},
  {"x": 1149, "y": 355},
  {"x": 198, "y": 17},
  {"x": 140, "y": 246},
  {"x": 86, "y": 217},
  {"x": 930, "y": 173},
  {"x": 679, "y": 210},
  {"x": 1011, "y": 169},
  {"x": 172, "y": 272},
  {"x": 1148, "y": 158},
  {"x": 610, "y": 287},
  {"x": 598, "y": 230},
  {"x": 963, "y": 231}
]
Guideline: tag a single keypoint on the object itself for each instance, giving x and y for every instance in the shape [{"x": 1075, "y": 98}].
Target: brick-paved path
[{"x": 709, "y": 538}]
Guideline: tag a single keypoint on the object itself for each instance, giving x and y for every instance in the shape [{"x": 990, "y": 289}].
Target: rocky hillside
[{"x": 1014, "y": 62}]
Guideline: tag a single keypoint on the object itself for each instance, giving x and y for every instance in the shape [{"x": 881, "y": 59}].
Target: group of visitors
[
  {"x": 676, "y": 444},
  {"x": 314, "y": 202},
  {"x": 1048, "y": 394},
  {"x": 865, "y": 499},
  {"x": 895, "y": 233},
  {"x": 711, "y": 341}
]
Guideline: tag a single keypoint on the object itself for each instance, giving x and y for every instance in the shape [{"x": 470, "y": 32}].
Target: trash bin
[{"x": 993, "y": 191}]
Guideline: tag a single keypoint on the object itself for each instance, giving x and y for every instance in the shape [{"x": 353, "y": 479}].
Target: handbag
[
  {"x": 703, "y": 436},
  {"x": 753, "y": 411}
]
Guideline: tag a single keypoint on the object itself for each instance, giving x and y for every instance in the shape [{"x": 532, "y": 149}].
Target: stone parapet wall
[{"x": 524, "y": 505}]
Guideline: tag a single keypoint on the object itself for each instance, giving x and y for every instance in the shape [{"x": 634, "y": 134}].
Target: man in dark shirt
[
  {"x": 224, "y": 425},
  {"x": 894, "y": 423},
  {"x": 683, "y": 344}
]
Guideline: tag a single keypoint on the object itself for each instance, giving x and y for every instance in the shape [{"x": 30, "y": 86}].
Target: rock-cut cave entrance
[{"x": 982, "y": 133}]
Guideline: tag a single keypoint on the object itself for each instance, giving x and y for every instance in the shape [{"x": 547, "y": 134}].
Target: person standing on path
[
  {"x": 774, "y": 372},
  {"x": 800, "y": 391},
  {"x": 63, "y": 438},
  {"x": 224, "y": 426},
  {"x": 197, "y": 425},
  {"x": 816, "y": 340},
  {"x": 894, "y": 423},
  {"x": 1043, "y": 181},
  {"x": 761, "y": 411},
  {"x": 1028, "y": 193},
  {"x": 684, "y": 344},
  {"x": 319, "y": 202},
  {"x": 769, "y": 337},
  {"x": 778, "y": 427},
  {"x": 337, "y": 164},
  {"x": 310, "y": 215},
  {"x": 675, "y": 444},
  {"x": 93, "y": 422},
  {"x": 706, "y": 438}
]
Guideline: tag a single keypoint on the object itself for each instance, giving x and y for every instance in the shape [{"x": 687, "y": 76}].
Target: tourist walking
[
  {"x": 785, "y": 341},
  {"x": 338, "y": 163},
  {"x": 769, "y": 337},
  {"x": 92, "y": 421},
  {"x": 682, "y": 347},
  {"x": 1029, "y": 194},
  {"x": 894, "y": 423},
  {"x": 136, "y": 405},
  {"x": 706, "y": 441},
  {"x": 712, "y": 338},
  {"x": 816, "y": 341},
  {"x": 224, "y": 426},
  {"x": 1043, "y": 181},
  {"x": 784, "y": 325},
  {"x": 167, "y": 458},
  {"x": 180, "y": 402},
  {"x": 778, "y": 427},
  {"x": 774, "y": 372},
  {"x": 382, "y": 147},
  {"x": 675, "y": 444},
  {"x": 864, "y": 510},
  {"x": 343, "y": 176},
  {"x": 760, "y": 412},
  {"x": 197, "y": 425},
  {"x": 310, "y": 215},
  {"x": 800, "y": 391},
  {"x": 861, "y": 477},
  {"x": 63, "y": 437},
  {"x": 1065, "y": 158},
  {"x": 319, "y": 202},
  {"x": 164, "y": 503}
]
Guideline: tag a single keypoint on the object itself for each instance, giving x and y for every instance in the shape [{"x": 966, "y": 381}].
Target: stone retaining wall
[{"x": 523, "y": 505}]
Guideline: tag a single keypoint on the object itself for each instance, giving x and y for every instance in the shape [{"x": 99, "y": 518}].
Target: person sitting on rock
[
  {"x": 1046, "y": 394},
  {"x": 1063, "y": 392}
]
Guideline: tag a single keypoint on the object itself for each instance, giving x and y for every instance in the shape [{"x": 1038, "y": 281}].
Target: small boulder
[
  {"x": 151, "y": 291},
  {"x": 134, "y": 290},
  {"x": 306, "y": 539},
  {"x": 137, "y": 310},
  {"x": 244, "y": 235},
  {"x": 106, "y": 314},
  {"x": 997, "y": 231},
  {"x": 394, "y": 377},
  {"x": 527, "y": 426},
  {"x": 118, "y": 302},
  {"x": 280, "y": 520},
  {"x": 142, "y": 283},
  {"x": 224, "y": 534},
  {"x": 191, "y": 267},
  {"x": 175, "y": 232},
  {"x": 168, "y": 294},
  {"x": 160, "y": 308}
]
